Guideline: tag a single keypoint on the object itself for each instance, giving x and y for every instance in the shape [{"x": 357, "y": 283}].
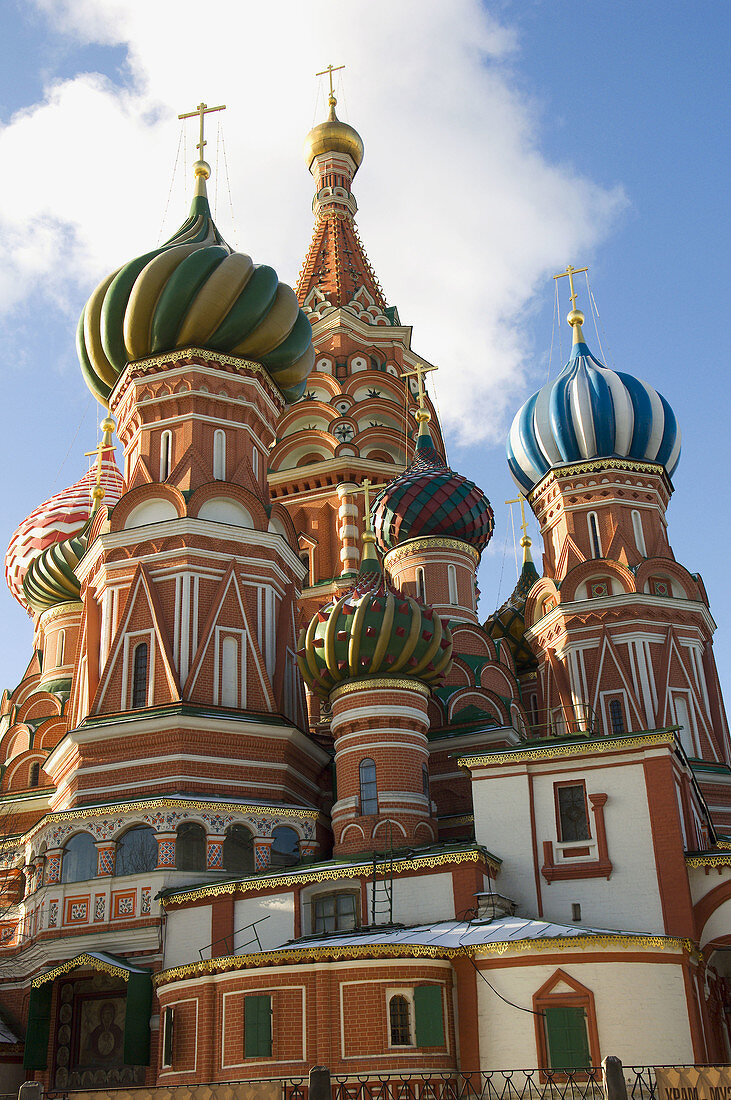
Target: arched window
[
  {"x": 616, "y": 717},
  {"x": 136, "y": 851},
  {"x": 34, "y": 774},
  {"x": 594, "y": 540},
  {"x": 425, "y": 781},
  {"x": 238, "y": 850},
  {"x": 452, "y": 582},
  {"x": 230, "y": 673},
  {"x": 190, "y": 847},
  {"x": 219, "y": 455},
  {"x": 368, "y": 787},
  {"x": 60, "y": 647},
  {"x": 139, "y": 676},
  {"x": 305, "y": 559},
  {"x": 420, "y": 585},
  {"x": 285, "y": 846},
  {"x": 166, "y": 454},
  {"x": 79, "y": 858},
  {"x": 399, "y": 1018},
  {"x": 639, "y": 533}
]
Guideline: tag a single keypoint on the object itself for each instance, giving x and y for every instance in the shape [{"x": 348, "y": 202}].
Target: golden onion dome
[{"x": 333, "y": 136}]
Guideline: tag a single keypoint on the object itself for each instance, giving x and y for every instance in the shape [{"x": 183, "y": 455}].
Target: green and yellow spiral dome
[
  {"x": 194, "y": 291},
  {"x": 50, "y": 579},
  {"x": 373, "y": 632}
]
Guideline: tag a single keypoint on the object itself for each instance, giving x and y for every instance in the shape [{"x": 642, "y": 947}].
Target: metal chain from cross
[
  {"x": 202, "y": 110},
  {"x": 571, "y": 271},
  {"x": 420, "y": 370},
  {"x": 329, "y": 71}
]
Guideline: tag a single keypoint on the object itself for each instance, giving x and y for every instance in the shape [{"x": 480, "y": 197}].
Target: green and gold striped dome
[
  {"x": 194, "y": 291},
  {"x": 373, "y": 632},
  {"x": 50, "y": 579}
]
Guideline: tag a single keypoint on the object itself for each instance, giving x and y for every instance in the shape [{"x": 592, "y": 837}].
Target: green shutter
[
  {"x": 35, "y": 1055},
  {"x": 568, "y": 1042},
  {"x": 137, "y": 1020},
  {"x": 429, "y": 1016},
  {"x": 257, "y": 1027}
]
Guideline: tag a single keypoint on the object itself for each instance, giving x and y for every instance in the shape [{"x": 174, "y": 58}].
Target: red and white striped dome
[{"x": 58, "y": 518}]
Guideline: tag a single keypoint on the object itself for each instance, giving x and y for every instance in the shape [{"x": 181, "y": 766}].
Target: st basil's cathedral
[{"x": 275, "y": 793}]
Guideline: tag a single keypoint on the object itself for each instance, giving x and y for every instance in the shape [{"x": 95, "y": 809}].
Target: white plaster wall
[
  {"x": 718, "y": 924},
  {"x": 272, "y": 932},
  {"x": 187, "y": 931},
  {"x": 630, "y": 899},
  {"x": 502, "y": 823},
  {"x": 421, "y": 900},
  {"x": 705, "y": 879},
  {"x": 640, "y": 1007}
]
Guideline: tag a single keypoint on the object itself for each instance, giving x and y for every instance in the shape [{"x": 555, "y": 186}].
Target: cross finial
[
  {"x": 369, "y": 553},
  {"x": 202, "y": 110},
  {"x": 420, "y": 370},
  {"x": 330, "y": 70},
  {"x": 526, "y": 541},
  {"x": 575, "y": 317},
  {"x": 106, "y": 445}
]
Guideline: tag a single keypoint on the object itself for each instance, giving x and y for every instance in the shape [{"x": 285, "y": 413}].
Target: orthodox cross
[
  {"x": 105, "y": 446},
  {"x": 419, "y": 371},
  {"x": 526, "y": 541},
  {"x": 365, "y": 488},
  {"x": 571, "y": 271},
  {"x": 330, "y": 70},
  {"x": 202, "y": 110}
]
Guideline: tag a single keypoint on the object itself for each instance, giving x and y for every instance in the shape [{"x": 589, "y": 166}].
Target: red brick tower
[
  {"x": 623, "y": 632},
  {"x": 372, "y": 653}
]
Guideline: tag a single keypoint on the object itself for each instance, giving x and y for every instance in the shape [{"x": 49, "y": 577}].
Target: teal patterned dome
[
  {"x": 373, "y": 632},
  {"x": 194, "y": 291},
  {"x": 429, "y": 499}
]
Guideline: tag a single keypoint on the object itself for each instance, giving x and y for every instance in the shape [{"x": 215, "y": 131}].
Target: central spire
[{"x": 336, "y": 266}]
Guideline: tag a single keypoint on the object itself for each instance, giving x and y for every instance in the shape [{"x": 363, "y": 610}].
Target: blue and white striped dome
[{"x": 589, "y": 412}]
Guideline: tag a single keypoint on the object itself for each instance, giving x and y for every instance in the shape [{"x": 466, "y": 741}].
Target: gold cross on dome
[
  {"x": 419, "y": 370},
  {"x": 524, "y": 524},
  {"x": 365, "y": 488},
  {"x": 571, "y": 271},
  {"x": 202, "y": 110},
  {"x": 330, "y": 70}
]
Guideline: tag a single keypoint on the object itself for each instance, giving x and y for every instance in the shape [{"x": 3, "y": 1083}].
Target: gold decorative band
[
  {"x": 414, "y": 546},
  {"x": 610, "y": 744},
  {"x": 142, "y": 366},
  {"x": 61, "y": 609},
  {"x": 381, "y": 682},
  {"x": 589, "y": 467},
  {"x": 81, "y": 960}
]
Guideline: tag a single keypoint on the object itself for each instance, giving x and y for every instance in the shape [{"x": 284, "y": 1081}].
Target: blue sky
[{"x": 503, "y": 141}]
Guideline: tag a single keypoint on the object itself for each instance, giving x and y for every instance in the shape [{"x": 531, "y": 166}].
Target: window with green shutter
[
  {"x": 257, "y": 1026},
  {"x": 35, "y": 1055},
  {"x": 567, "y": 1038},
  {"x": 429, "y": 1016}
]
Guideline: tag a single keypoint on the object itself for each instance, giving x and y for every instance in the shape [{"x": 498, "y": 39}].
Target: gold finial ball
[
  {"x": 107, "y": 424},
  {"x": 526, "y": 541},
  {"x": 97, "y": 493},
  {"x": 575, "y": 317},
  {"x": 423, "y": 416},
  {"x": 202, "y": 168}
]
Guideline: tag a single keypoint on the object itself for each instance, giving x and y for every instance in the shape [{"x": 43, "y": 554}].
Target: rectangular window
[
  {"x": 334, "y": 913},
  {"x": 168, "y": 1021},
  {"x": 616, "y": 717},
  {"x": 566, "y": 1037},
  {"x": 429, "y": 1016},
  {"x": 258, "y": 1026},
  {"x": 572, "y": 813}
]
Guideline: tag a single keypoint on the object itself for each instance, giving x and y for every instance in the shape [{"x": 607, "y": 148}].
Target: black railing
[{"x": 518, "y": 1084}]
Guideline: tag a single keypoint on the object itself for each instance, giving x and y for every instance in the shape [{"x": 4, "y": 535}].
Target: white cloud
[{"x": 462, "y": 215}]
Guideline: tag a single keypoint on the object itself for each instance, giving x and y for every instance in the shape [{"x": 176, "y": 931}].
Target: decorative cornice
[
  {"x": 335, "y": 951},
  {"x": 332, "y": 874},
  {"x": 596, "y": 464},
  {"x": 83, "y": 812},
  {"x": 381, "y": 682},
  {"x": 709, "y": 859},
  {"x": 71, "y": 608},
  {"x": 544, "y": 752},
  {"x": 81, "y": 960},
  {"x": 427, "y": 542},
  {"x": 140, "y": 367}
]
